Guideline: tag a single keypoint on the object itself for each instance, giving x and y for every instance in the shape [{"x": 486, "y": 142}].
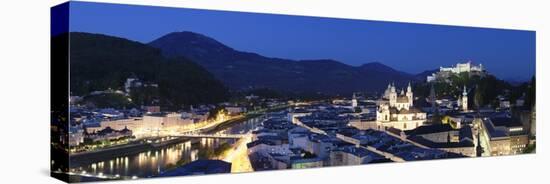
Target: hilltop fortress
[{"x": 446, "y": 72}]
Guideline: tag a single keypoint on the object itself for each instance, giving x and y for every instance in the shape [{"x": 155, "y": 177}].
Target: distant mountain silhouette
[
  {"x": 422, "y": 75},
  {"x": 243, "y": 70},
  {"x": 100, "y": 62}
]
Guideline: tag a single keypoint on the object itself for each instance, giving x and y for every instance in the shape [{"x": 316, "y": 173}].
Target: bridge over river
[{"x": 217, "y": 135}]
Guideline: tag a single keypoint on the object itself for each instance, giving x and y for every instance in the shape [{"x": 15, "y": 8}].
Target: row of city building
[
  {"x": 320, "y": 135},
  {"x": 280, "y": 144},
  {"x": 387, "y": 140},
  {"x": 391, "y": 128},
  {"x": 500, "y": 130},
  {"x": 149, "y": 121},
  {"x": 106, "y": 124}
]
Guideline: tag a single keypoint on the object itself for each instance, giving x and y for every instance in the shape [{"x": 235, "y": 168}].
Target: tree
[
  {"x": 530, "y": 97},
  {"x": 478, "y": 97},
  {"x": 213, "y": 113}
]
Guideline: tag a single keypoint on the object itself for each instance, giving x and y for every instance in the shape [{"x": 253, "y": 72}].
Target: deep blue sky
[{"x": 407, "y": 47}]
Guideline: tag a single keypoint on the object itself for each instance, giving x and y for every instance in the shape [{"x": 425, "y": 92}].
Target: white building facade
[{"x": 397, "y": 110}]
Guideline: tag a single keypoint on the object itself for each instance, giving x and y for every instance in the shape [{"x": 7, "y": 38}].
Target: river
[{"x": 150, "y": 163}]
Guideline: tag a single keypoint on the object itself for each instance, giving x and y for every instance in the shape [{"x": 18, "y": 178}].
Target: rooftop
[
  {"x": 506, "y": 121},
  {"x": 428, "y": 129},
  {"x": 359, "y": 152},
  {"x": 200, "y": 167}
]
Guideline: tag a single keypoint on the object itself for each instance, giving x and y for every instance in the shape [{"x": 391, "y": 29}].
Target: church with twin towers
[{"x": 396, "y": 109}]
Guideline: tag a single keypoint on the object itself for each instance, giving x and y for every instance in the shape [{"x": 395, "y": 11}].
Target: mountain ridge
[{"x": 244, "y": 70}]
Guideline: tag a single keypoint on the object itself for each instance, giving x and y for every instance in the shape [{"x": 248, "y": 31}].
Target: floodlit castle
[
  {"x": 396, "y": 110},
  {"x": 445, "y": 72},
  {"x": 463, "y": 67}
]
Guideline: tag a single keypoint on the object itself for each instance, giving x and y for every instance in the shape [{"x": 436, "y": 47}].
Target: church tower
[
  {"x": 387, "y": 92},
  {"x": 393, "y": 96},
  {"x": 354, "y": 101},
  {"x": 464, "y": 100},
  {"x": 410, "y": 95}
]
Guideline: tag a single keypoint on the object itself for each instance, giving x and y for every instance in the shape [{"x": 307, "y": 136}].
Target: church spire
[
  {"x": 354, "y": 101},
  {"x": 464, "y": 99}
]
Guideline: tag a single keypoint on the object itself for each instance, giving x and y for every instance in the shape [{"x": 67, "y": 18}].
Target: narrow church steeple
[
  {"x": 410, "y": 95},
  {"x": 354, "y": 101},
  {"x": 464, "y": 99}
]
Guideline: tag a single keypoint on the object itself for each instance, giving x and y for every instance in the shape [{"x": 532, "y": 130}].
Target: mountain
[
  {"x": 243, "y": 70},
  {"x": 423, "y": 75},
  {"x": 379, "y": 69},
  {"x": 100, "y": 62}
]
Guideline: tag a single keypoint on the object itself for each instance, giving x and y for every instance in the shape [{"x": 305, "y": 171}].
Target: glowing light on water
[
  {"x": 126, "y": 164},
  {"x": 111, "y": 165},
  {"x": 101, "y": 165},
  {"x": 140, "y": 160},
  {"x": 194, "y": 155},
  {"x": 203, "y": 141},
  {"x": 187, "y": 145}
]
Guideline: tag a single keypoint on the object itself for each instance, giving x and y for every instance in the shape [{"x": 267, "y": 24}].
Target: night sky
[{"x": 412, "y": 48}]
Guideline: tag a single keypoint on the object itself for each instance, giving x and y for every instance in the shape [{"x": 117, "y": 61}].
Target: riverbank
[
  {"x": 80, "y": 159},
  {"x": 84, "y": 158}
]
